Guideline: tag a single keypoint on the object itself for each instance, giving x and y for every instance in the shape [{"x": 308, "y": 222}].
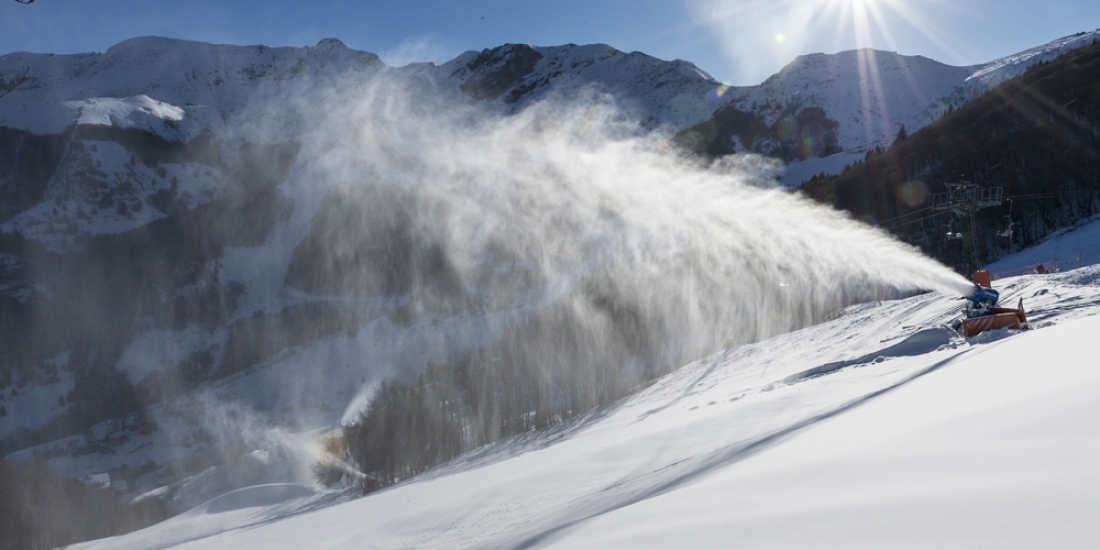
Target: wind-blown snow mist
[
  {"x": 537, "y": 264},
  {"x": 564, "y": 257},
  {"x": 567, "y": 200}
]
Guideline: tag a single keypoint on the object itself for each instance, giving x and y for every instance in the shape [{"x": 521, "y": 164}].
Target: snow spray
[
  {"x": 562, "y": 254},
  {"x": 571, "y": 202}
]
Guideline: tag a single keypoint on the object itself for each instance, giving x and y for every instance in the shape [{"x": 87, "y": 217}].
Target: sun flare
[
  {"x": 827, "y": 26},
  {"x": 878, "y": 23}
]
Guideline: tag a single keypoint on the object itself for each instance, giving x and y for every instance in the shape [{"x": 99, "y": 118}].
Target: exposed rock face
[{"x": 499, "y": 70}]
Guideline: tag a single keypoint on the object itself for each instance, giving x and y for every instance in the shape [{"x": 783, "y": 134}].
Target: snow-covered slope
[
  {"x": 881, "y": 428},
  {"x": 865, "y": 96},
  {"x": 870, "y": 93},
  {"x": 154, "y": 197},
  {"x": 999, "y": 70},
  {"x": 1070, "y": 248}
]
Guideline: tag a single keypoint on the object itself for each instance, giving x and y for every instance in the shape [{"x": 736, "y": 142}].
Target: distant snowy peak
[
  {"x": 997, "y": 71},
  {"x": 866, "y": 57},
  {"x": 199, "y": 76},
  {"x": 206, "y": 81},
  {"x": 871, "y": 94},
  {"x": 653, "y": 89},
  {"x": 865, "y": 63},
  {"x": 184, "y": 67},
  {"x": 189, "y": 86}
]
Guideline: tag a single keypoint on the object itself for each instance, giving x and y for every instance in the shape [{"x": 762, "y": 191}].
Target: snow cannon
[
  {"x": 984, "y": 298},
  {"x": 982, "y": 313}
]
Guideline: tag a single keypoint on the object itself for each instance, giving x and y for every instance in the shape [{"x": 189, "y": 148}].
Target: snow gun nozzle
[{"x": 981, "y": 296}]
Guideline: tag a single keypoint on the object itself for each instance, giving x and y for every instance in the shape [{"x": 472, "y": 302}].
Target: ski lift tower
[{"x": 964, "y": 200}]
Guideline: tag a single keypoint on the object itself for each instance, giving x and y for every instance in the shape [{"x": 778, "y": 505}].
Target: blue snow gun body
[{"x": 984, "y": 297}]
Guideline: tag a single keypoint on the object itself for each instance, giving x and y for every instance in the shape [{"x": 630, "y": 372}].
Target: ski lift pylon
[{"x": 1007, "y": 231}]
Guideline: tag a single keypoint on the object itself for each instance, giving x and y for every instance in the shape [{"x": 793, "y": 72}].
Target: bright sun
[
  {"x": 757, "y": 35},
  {"x": 861, "y": 18},
  {"x": 872, "y": 23}
]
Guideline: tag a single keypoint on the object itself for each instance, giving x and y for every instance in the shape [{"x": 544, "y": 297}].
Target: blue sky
[{"x": 740, "y": 42}]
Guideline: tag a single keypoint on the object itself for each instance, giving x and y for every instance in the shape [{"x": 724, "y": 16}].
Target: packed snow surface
[
  {"x": 881, "y": 428},
  {"x": 1069, "y": 248}
]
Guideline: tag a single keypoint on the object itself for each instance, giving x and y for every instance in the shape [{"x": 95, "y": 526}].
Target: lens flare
[
  {"x": 715, "y": 96},
  {"x": 809, "y": 147},
  {"x": 913, "y": 192},
  {"x": 743, "y": 28}
]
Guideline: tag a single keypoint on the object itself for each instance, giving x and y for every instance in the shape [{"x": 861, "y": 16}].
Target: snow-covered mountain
[
  {"x": 187, "y": 228},
  {"x": 818, "y": 114},
  {"x": 822, "y": 112},
  {"x": 175, "y": 88}
]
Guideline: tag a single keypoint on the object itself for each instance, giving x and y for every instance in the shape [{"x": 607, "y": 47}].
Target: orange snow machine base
[{"x": 998, "y": 318}]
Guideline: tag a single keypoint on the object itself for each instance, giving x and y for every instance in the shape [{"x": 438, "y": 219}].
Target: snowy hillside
[
  {"x": 866, "y": 97},
  {"x": 1070, "y": 248},
  {"x": 999, "y": 70},
  {"x": 869, "y": 95},
  {"x": 211, "y": 254},
  {"x": 195, "y": 85},
  {"x": 879, "y": 428}
]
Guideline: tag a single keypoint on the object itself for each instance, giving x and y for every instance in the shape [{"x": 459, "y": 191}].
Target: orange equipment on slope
[
  {"x": 981, "y": 278},
  {"x": 995, "y": 318},
  {"x": 985, "y": 316}
]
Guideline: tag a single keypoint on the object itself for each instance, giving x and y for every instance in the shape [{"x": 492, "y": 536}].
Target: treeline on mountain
[
  {"x": 584, "y": 351},
  {"x": 27, "y": 161},
  {"x": 1036, "y": 136},
  {"x": 40, "y": 509},
  {"x": 797, "y": 134}
]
